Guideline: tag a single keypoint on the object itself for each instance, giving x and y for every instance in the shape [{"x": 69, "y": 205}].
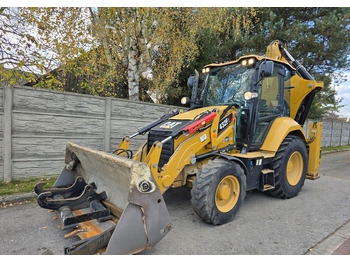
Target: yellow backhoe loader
[{"x": 242, "y": 132}]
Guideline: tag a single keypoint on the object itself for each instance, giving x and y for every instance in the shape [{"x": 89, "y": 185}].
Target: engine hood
[{"x": 190, "y": 115}]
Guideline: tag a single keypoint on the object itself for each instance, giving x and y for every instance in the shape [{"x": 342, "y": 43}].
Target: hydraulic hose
[{"x": 298, "y": 66}]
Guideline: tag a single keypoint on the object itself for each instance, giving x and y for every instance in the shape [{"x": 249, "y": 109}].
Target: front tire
[
  {"x": 218, "y": 191},
  {"x": 290, "y": 166}
]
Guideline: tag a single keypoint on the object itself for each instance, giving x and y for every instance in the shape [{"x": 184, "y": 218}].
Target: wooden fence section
[
  {"x": 40, "y": 122},
  {"x": 36, "y": 124}
]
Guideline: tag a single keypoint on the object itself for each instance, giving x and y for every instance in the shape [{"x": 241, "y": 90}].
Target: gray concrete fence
[
  {"x": 36, "y": 124},
  {"x": 334, "y": 132}
]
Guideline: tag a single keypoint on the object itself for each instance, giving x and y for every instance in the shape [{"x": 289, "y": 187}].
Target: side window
[
  {"x": 269, "y": 97},
  {"x": 269, "y": 103},
  {"x": 287, "y": 91}
]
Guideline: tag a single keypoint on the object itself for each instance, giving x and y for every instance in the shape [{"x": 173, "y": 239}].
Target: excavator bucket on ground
[{"x": 109, "y": 201}]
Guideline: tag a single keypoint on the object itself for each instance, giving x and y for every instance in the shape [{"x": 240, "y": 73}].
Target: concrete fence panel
[
  {"x": 1, "y": 134},
  {"x": 36, "y": 124},
  {"x": 326, "y": 134},
  {"x": 336, "y": 133},
  {"x": 345, "y": 134}
]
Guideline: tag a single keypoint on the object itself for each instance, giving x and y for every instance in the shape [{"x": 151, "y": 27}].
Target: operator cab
[{"x": 258, "y": 88}]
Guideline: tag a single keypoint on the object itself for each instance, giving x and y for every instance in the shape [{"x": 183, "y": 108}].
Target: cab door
[{"x": 270, "y": 103}]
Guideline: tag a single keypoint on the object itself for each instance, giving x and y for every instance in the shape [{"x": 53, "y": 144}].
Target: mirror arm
[
  {"x": 262, "y": 76},
  {"x": 194, "y": 89}
]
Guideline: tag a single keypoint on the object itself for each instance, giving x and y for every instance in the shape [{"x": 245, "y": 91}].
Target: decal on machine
[
  {"x": 170, "y": 124},
  {"x": 224, "y": 123},
  {"x": 203, "y": 138}
]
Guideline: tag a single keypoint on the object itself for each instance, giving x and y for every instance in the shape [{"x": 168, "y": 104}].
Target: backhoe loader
[{"x": 242, "y": 132}]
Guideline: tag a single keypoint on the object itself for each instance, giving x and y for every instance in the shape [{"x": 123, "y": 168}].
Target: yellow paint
[
  {"x": 315, "y": 130},
  {"x": 294, "y": 168},
  {"x": 256, "y": 154},
  {"x": 280, "y": 128},
  {"x": 251, "y": 56},
  {"x": 302, "y": 88},
  {"x": 124, "y": 144},
  {"x": 227, "y": 193},
  {"x": 273, "y": 52},
  {"x": 137, "y": 156},
  {"x": 190, "y": 115}
]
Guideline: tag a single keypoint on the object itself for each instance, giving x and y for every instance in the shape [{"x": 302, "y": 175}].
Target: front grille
[{"x": 168, "y": 147}]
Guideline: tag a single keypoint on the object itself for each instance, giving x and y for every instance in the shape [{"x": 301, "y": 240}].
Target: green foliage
[
  {"x": 120, "y": 51},
  {"x": 317, "y": 37},
  {"x": 335, "y": 148}
]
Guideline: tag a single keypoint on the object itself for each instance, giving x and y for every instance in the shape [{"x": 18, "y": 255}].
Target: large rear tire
[
  {"x": 218, "y": 191},
  {"x": 290, "y": 166}
]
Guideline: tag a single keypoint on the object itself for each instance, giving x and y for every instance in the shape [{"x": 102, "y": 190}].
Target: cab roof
[{"x": 251, "y": 56}]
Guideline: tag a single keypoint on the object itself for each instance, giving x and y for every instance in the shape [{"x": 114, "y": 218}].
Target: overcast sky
[{"x": 344, "y": 92}]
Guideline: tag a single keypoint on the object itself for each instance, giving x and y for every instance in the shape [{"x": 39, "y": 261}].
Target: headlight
[
  {"x": 244, "y": 62},
  {"x": 251, "y": 61}
]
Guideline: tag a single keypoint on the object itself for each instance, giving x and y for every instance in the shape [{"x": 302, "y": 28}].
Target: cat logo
[{"x": 170, "y": 125}]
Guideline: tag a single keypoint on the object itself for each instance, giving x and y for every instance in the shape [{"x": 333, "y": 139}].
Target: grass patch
[
  {"x": 24, "y": 186},
  {"x": 331, "y": 148}
]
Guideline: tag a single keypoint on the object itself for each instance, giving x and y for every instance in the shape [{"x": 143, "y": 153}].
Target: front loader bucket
[{"x": 126, "y": 206}]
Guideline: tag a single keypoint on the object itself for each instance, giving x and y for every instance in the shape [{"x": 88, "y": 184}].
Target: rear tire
[
  {"x": 218, "y": 191},
  {"x": 290, "y": 166}
]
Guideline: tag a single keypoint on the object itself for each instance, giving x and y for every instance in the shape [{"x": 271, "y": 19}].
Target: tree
[
  {"x": 317, "y": 37},
  {"x": 18, "y": 48},
  {"x": 219, "y": 36},
  {"x": 104, "y": 46}
]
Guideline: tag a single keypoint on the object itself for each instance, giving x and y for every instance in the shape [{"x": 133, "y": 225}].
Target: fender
[
  {"x": 234, "y": 159},
  {"x": 280, "y": 128}
]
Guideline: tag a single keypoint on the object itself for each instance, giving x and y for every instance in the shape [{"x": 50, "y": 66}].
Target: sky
[{"x": 343, "y": 91}]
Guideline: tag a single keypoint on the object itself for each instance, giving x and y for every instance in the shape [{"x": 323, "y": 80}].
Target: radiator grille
[{"x": 168, "y": 147}]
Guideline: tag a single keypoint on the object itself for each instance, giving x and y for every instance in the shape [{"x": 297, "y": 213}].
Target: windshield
[{"x": 227, "y": 84}]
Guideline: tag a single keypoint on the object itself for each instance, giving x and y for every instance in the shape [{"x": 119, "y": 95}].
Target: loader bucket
[{"x": 126, "y": 206}]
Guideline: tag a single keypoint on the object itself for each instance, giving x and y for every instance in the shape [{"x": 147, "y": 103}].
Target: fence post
[
  {"x": 341, "y": 133},
  {"x": 7, "y": 131},
  {"x": 330, "y": 142},
  {"x": 107, "y": 134}
]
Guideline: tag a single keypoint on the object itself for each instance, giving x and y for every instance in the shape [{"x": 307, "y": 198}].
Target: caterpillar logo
[{"x": 170, "y": 125}]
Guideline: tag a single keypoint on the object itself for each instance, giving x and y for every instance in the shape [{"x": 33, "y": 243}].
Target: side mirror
[
  {"x": 191, "y": 81},
  {"x": 266, "y": 69}
]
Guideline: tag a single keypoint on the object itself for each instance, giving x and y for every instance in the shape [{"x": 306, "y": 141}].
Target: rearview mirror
[
  {"x": 266, "y": 69},
  {"x": 190, "y": 82}
]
